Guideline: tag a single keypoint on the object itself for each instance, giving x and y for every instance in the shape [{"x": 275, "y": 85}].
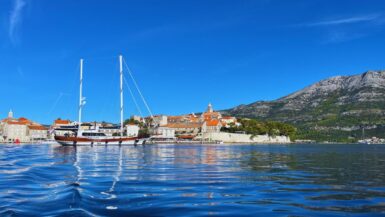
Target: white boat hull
[{"x": 84, "y": 141}]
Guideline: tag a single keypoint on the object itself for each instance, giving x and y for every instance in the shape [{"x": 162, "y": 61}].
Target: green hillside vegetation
[
  {"x": 334, "y": 110},
  {"x": 255, "y": 127}
]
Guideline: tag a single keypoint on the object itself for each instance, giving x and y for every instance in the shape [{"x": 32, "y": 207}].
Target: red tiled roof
[
  {"x": 37, "y": 127},
  {"x": 24, "y": 121},
  {"x": 175, "y": 117},
  {"x": 194, "y": 119},
  {"x": 183, "y": 125},
  {"x": 228, "y": 117},
  {"x": 212, "y": 123},
  {"x": 5, "y": 120},
  {"x": 58, "y": 121},
  {"x": 211, "y": 113},
  {"x": 15, "y": 123}
]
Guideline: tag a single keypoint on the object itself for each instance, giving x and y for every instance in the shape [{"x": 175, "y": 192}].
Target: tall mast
[
  {"x": 121, "y": 94},
  {"x": 80, "y": 97}
]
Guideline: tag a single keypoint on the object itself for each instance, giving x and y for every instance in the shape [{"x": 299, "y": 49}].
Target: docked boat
[
  {"x": 95, "y": 138},
  {"x": 78, "y": 136}
]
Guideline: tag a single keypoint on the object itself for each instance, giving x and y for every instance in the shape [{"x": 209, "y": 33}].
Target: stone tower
[
  {"x": 210, "y": 108},
  {"x": 10, "y": 114}
]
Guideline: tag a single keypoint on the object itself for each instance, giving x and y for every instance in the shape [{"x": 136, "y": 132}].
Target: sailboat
[{"x": 94, "y": 136}]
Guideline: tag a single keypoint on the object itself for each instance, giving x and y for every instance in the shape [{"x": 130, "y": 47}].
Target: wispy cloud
[
  {"x": 341, "y": 36},
  {"x": 344, "y": 29},
  {"x": 341, "y": 21},
  {"x": 61, "y": 94},
  {"x": 15, "y": 19},
  {"x": 20, "y": 71}
]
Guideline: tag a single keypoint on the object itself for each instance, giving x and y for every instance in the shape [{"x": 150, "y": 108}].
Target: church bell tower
[
  {"x": 210, "y": 108},
  {"x": 10, "y": 114}
]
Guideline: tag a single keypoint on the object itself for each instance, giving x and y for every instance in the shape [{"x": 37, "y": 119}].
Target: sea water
[{"x": 192, "y": 180}]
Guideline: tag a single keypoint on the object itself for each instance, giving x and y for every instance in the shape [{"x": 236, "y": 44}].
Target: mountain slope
[{"x": 342, "y": 104}]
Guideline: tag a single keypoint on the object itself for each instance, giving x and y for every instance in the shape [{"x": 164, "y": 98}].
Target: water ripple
[{"x": 194, "y": 180}]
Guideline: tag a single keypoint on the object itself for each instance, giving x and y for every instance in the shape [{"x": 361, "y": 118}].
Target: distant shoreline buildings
[
  {"x": 183, "y": 127},
  {"x": 190, "y": 126},
  {"x": 16, "y": 130},
  {"x": 205, "y": 127}
]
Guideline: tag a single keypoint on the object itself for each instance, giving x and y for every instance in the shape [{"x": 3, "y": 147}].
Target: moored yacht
[
  {"x": 97, "y": 138},
  {"x": 79, "y": 136}
]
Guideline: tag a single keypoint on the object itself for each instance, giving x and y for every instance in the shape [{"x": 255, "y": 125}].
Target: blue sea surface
[{"x": 193, "y": 180}]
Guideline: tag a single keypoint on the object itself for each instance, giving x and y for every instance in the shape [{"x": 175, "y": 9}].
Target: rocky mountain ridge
[{"x": 340, "y": 102}]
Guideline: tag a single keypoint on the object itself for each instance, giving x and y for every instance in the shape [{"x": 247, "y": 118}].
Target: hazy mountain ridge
[{"x": 336, "y": 103}]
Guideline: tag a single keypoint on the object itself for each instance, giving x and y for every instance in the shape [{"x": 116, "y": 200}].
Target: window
[{"x": 93, "y": 134}]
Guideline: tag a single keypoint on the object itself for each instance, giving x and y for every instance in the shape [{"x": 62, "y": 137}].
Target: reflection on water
[{"x": 196, "y": 180}]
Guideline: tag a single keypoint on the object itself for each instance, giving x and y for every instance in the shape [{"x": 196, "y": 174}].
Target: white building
[
  {"x": 132, "y": 130},
  {"x": 13, "y": 131},
  {"x": 37, "y": 133},
  {"x": 110, "y": 131},
  {"x": 191, "y": 129},
  {"x": 21, "y": 129},
  {"x": 159, "y": 120},
  {"x": 227, "y": 120},
  {"x": 63, "y": 127},
  {"x": 163, "y": 133},
  {"x": 136, "y": 118},
  {"x": 211, "y": 126}
]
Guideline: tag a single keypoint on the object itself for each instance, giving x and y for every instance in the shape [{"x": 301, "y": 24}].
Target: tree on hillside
[{"x": 255, "y": 127}]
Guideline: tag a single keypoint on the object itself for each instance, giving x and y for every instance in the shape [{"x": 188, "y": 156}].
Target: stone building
[
  {"x": 110, "y": 130},
  {"x": 185, "y": 128},
  {"x": 189, "y": 125},
  {"x": 211, "y": 126},
  {"x": 162, "y": 133},
  {"x": 21, "y": 129},
  {"x": 15, "y": 131},
  {"x": 210, "y": 114},
  {"x": 132, "y": 130},
  {"x": 159, "y": 120},
  {"x": 37, "y": 133},
  {"x": 227, "y": 120}
]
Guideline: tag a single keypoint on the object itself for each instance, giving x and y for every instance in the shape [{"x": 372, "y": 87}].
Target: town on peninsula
[{"x": 207, "y": 127}]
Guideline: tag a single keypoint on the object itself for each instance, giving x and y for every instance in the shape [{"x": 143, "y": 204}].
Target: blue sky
[{"x": 183, "y": 54}]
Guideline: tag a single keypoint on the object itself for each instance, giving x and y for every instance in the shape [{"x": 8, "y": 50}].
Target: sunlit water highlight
[{"x": 192, "y": 180}]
